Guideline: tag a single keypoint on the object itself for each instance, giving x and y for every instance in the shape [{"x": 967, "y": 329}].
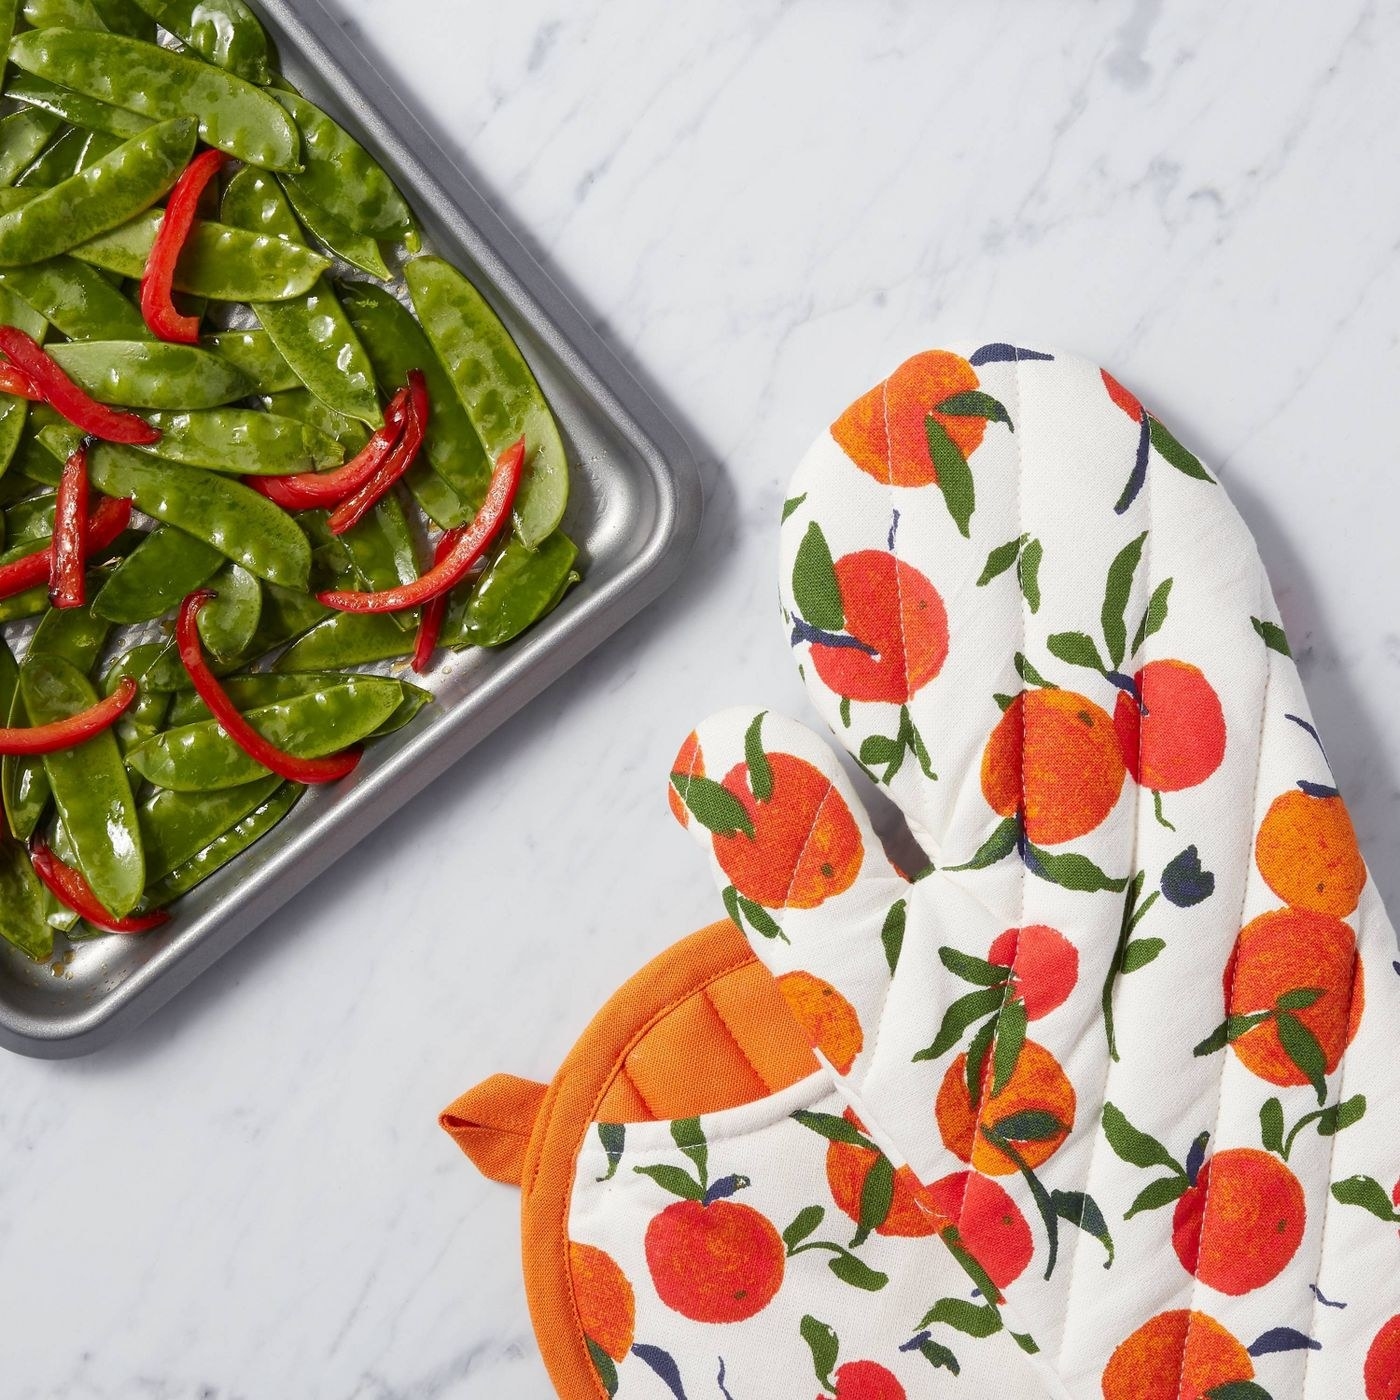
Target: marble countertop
[{"x": 763, "y": 207}]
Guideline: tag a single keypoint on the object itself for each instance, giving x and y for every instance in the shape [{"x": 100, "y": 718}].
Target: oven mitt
[{"x": 1106, "y": 1098}]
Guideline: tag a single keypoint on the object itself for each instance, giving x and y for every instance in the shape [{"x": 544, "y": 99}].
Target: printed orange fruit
[
  {"x": 884, "y": 431},
  {"x": 1240, "y": 1224},
  {"x": 1124, "y": 398},
  {"x": 847, "y": 1166},
  {"x": 1307, "y": 853},
  {"x": 1176, "y": 738},
  {"x": 866, "y": 1380},
  {"x": 1053, "y": 757},
  {"x": 1038, "y": 1086},
  {"x": 1382, "y": 1369},
  {"x": 989, "y": 1223},
  {"x": 897, "y": 612},
  {"x": 828, "y": 1018},
  {"x": 1178, "y": 1355},
  {"x": 805, "y": 845},
  {"x": 1287, "y": 950},
  {"x": 691, "y": 762},
  {"x": 1044, "y": 966},
  {"x": 607, "y": 1308},
  {"x": 721, "y": 1262}
]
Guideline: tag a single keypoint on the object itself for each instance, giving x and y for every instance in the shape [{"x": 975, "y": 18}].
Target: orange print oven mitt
[{"x": 1101, "y": 1103}]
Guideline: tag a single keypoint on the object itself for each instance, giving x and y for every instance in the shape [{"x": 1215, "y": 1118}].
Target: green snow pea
[
  {"x": 77, "y": 299},
  {"x": 22, "y": 904},
  {"x": 358, "y": 249},
  {"x": 224, "y": 32},
  {"x": 201, "y": 757},
  {"x": 76, "y": 14},
  {"x": 108, "y": 193},
  {"x": 243, "y": 442},
  {"x": 382, "y": 553},
  {"x": 13, "y": 416},
  {"x": 74, "y": 107},
  {"x": 266, "y": 688},
  {"x": 241, "y": 524},
  {"x": 126, "y": 17},
  {"x": 304, "y": 406},
  {"x": 312, "y": 332},
  {"x": 344, "y": 179},
  {"x": 222, "y": 263},
  {"x": 497, "y": 388},
  {"x": 518, "y": 589},
  {"x": 232, "y": 843},
  {"x": 31, "y": 603},
  {"x": 346, "y": 639},
  {"x": 9, "y": 677},
  {"x": 176, "y": 826},
  {"x": 151, "y": 373},
  {"x": 148, "y": 711},
  {"x": 28, "y": 522},
  {"x": 156, "y": 576},
  {"x": 60, "y": 161},
  {"x": 74, "y": 635},
  {"x": 9, "y": 13},
  {"x": 230, "y": 621},
  {"x": 286, "y": 614},
  {"x": 89, "y": 784},
  {"x": 23, "y": 135},
  {"x": 233, "y": 115},
  {"x": 257, "y": 357},
  {"x": 396, "y": 344},
  {"x": 24, "y": 788}
]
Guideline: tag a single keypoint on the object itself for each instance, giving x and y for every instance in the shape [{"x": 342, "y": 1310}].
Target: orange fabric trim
[
  {"x": 566, "y": 1118},
  {"x": 492, "y": 1124}
]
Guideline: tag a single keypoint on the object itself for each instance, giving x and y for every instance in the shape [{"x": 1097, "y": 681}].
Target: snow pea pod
[
  {"x": 23, "y": 135},
  {"x": 13, "y": 416},
  {"x": 90, "y": 788},
  {"x": 126, "y": 17},
  {"x": 382, "y": 553},
  {"x": 342, "y": 177},
  {"x": 108, "y": 193},
  {"x": 258, "y": 358},
  {"x": 222, "y": 263},
  {"x": 346, "y": 639},
  {"x": 31, "y": 603},
  {"x": 148, "y": 711},
  {"x": 229, "y": 622},
  {"x": 60, "y": 161},
  {"x": 201, "y": 757},
  {"x": 77, "y": 299},
  {"x": 9, "y": 13},
  {"x": 232, "y": 843},
  {"x": 312, "y": 332},
  {"x": 156, "y": 575},
  {"x": 74, "y": 107},
  {"x": 243, "y": 442},
  {"x": 151, "y": 373},
  {"x": 265, "y": 688},
  {"x": 233, "y": 115},
  {"x": 397, "y": 344},
  {"x": 358, "y": 249},
  {"x": 239, "y": 523},
  {"x": 22, "y": 905},
  {"x": 224, "y": 32},
  {"x": 177, "y": 826},
  {"x": 27, "y": 522},
  {"x": 304, "y": 406},
  {"x": 496, "y": 387},
  {"x": 519, "y": 588},
  {"x": 76, "y": 14}
]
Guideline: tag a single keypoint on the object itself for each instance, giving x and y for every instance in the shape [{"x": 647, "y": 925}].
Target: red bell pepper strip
[
  {"x": 182, "y": 204},
  {"x": 68, "y": 576},
  {"x": 12, "y": 381},
  {"x": 71, "y": 890},
  {"x": 208, "y": 688},
  {"x": 434, "y": 611},
  {"x": 99, "y": 420},
  {"x": 310, "y": 490},
  {"x": 104, "y": 525},
  {"x": 354, "y": 508},
  {"x": 464, "y": 546},
  {"x": 76, "y": 729}
]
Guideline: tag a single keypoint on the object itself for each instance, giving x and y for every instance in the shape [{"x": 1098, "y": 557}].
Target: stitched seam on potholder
[
  {"x": 1139, "y": 824},
  {"x": 734, "y": 1039},
  {"x": 1229, "y": 995}
]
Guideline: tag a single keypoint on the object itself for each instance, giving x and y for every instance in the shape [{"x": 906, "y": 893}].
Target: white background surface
[{"x": 764, "y": 208}]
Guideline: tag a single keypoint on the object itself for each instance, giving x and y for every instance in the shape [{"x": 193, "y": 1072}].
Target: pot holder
[{"x": 1105, "y": 1104}]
